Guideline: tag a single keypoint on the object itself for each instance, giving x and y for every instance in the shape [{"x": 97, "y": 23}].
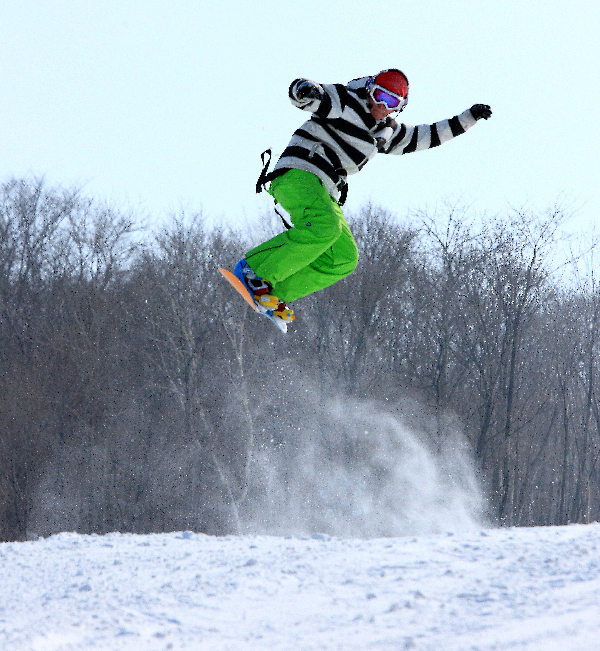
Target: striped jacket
[{"x": 342, "y": 136}]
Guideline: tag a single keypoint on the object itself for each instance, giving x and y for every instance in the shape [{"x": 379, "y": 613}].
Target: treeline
[{"x": 136, "y": 389}]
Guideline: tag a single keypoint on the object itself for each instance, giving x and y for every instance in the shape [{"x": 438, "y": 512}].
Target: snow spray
[{"x": 361, "y": 469}]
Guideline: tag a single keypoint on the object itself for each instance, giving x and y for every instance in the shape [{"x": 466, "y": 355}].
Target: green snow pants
[{"x": 317, "y": 252}]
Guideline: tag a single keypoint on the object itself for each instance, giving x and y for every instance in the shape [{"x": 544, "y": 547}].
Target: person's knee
[
  {"x": 353, "y": 259},
  {"x": 346, "y": 257}
]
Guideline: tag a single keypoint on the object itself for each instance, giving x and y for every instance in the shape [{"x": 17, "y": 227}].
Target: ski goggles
[{"x": 393, "y": 102}]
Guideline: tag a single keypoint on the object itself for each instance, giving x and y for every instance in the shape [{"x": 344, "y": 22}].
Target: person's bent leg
[
  {"x": 330, "y": 267},
  {"x": 317, "y": 225},
  {"x": 308, "y": 256}
]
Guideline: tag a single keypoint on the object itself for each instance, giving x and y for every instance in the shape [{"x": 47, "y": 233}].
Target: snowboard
[{"x": 243, "y": 291}]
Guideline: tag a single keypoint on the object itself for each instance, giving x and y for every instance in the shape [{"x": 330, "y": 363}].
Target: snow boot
[{"x": 260, "y": 290}]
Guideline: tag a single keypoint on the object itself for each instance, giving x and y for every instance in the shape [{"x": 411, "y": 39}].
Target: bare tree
[{"x": 521, "y": 269}]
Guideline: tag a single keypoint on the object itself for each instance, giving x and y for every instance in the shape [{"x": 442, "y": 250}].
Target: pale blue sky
[{"x": 162, "y": 105}]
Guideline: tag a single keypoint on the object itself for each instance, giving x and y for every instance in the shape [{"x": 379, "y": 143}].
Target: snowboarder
[{"x": 348, "y": 126}]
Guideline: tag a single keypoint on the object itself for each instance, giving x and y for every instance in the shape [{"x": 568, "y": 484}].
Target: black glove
[
  {"x": 479, "y": 111},
  {"x": 308, "y": 90}
]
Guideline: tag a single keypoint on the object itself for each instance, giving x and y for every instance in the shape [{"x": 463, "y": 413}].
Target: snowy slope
[{"x": 533, "y": 589}]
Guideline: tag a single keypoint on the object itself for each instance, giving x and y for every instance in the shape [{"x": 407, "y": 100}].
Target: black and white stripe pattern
[{"x": 342, "y": 135}]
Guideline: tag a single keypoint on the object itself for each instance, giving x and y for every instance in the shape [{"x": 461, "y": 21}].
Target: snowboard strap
[
  {"x": 283, "y": 219},
  {"x": 263, "y": 179},
  {"x": 266, "y": 177}
]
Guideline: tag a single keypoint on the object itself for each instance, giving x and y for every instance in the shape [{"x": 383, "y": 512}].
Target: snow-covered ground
[{"x": 533, "y": 589}]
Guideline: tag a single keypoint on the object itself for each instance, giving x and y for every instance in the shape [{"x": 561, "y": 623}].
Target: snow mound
[{"x": 530, "y": 589}]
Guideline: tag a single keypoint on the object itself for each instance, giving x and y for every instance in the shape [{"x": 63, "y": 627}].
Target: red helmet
[{"x": 393, "y": 80}]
